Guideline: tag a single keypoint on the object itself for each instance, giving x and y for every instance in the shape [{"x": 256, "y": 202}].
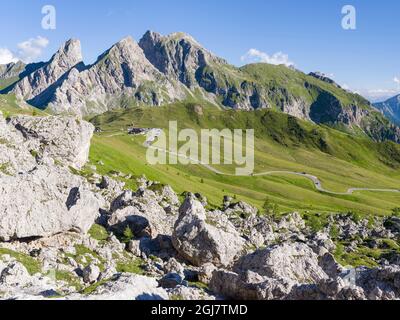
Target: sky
[{"x": 306, "y": 33}]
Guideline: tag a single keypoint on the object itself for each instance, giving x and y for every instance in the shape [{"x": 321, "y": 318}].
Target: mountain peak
[
  {"x": 156, "y": 37},
  {"x": 177, "y": 55},
  {"x": 152, "y": 35},
  {"x": 12, "y": 69},
  {"x": 390, "y": 108},
  {"x": 126, "y": 41},
  {"x": 183, "y": 36},
  {"x": 68, "y": 55},
  {"x": 121, "y": 50},
  {"x": 126, "y": 49}
]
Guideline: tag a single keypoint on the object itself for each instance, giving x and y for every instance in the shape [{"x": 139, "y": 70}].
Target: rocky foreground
[{"x": 66, "y": 236}]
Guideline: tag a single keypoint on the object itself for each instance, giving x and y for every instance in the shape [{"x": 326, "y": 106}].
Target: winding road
[
  {"x": 153, "y": 134},
  {"x": 317, "y": 183}
]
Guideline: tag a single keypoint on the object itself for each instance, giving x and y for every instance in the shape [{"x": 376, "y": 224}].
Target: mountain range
[
  {"x": 391, "y": 109},
  {"x": 160, "y": 70}
]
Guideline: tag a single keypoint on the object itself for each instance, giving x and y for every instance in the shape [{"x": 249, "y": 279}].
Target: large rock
[
  {"x": 296, "y": 262},
  {"x": 270, "y": 274},
  {"x": 15, "y": 274},
  {"x": 45, "y": 202},
  {"x": 91, "y": 273},
  {"x": 64, "y": 139},
  {"x": 17, "y": 284},
  {"x": 379, "y": 283},
  {"x": 200, "y": 242},
  {"x": 128, "y": 287},
  {"x": 38, "y": 197},
  {"x": 142, "y": 213},
  {"x": 249, "y": 286}
]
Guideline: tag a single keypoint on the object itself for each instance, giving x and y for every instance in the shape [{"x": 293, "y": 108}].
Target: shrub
[{"x": 127, "y": 235}]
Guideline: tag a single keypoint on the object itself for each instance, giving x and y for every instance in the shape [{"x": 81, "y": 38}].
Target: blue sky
[{"x": 308, "y": 31}]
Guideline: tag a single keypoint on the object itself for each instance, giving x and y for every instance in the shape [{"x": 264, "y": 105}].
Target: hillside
[{"x": 340, "y": 160}]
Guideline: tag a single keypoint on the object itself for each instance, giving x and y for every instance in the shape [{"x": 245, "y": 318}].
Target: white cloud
[
  {"x": 30, "y": 50},
  {"x": 397, "y": 80},
  {"x": 376, "y": 95},
  {"x": 254, "y": 55},
  {"x": 6, "y": 56}
]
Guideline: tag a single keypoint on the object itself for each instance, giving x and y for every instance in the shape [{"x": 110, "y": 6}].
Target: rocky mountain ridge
[
  {"x": 11, "y": 70},
  {"x": 162, "y": 69}
]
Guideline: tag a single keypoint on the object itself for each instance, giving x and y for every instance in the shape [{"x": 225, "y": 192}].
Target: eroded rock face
[
  {"x": 45, "y": 202},
  {"x": 163, "y": 69},
  {"x": 39, "y": 196},
  {"x": 203, "y": 241},
  {"x": 177, "y": 55},
  {"x": 11, "y": 70},
  {"x": 63, "y": 139},
  {"x": 123, "y": 70}
]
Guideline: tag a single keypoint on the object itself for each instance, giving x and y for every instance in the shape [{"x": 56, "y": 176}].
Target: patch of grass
[
  {"x": 354, "y": 259},
  {"x": 34, "y": 153},
  {"x": 365, "y": 256},
  {"x": 98, "y": 232},
  {"x": 127, "y": 235},
  {"x": 94, "y": 286},
  {"x": 334, "y": 232},
  {"x": 316, "y": 222},
  {"x": 4, "y": 168},
  {"x": 134, "y": 266},
  {"x": 396, "y": 212},
  {"x": 9, "y": 106},
  {"x": 390, "y": 244},
  {"x": 176, "y": 297},
  {"x": 32, "y": 265},
  {"x": 199, "y": 285},
  {"x": 70, "y": 278},
  {"x": 85, "y": 256}
]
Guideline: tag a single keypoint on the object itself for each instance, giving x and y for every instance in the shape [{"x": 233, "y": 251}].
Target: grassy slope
[
  {"x": 294, "y": 81},
  {"x": 10, "y": 106},
  {"x": 4, "y": 83},
  {"x": 341, "y": 161}
]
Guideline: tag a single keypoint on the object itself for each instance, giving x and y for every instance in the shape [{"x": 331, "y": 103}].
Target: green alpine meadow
[{"x": 211, "y": 165}]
